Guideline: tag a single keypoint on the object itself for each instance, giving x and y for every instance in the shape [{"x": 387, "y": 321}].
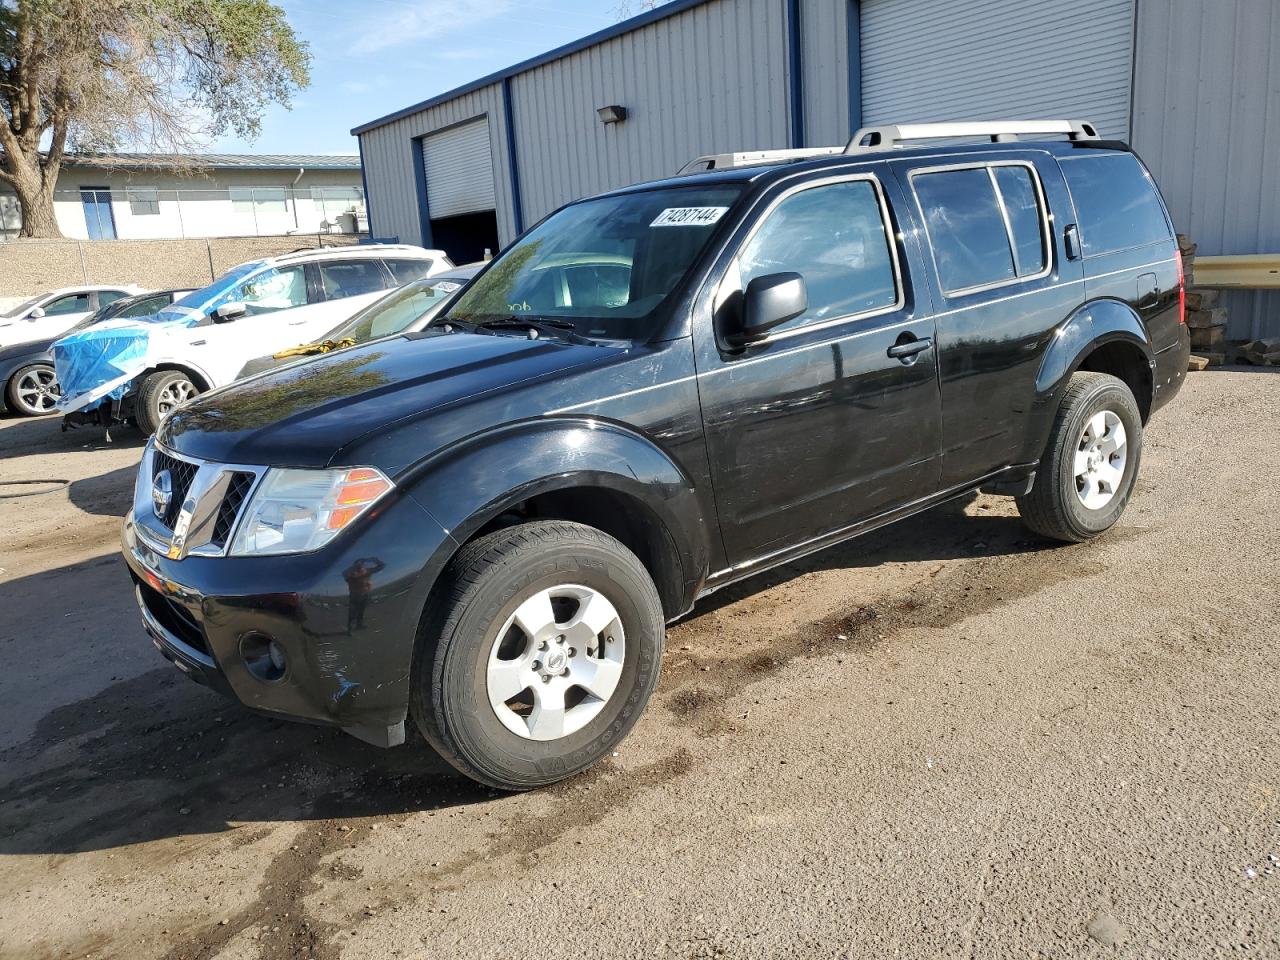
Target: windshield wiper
[{"x": 543, "y": 326}]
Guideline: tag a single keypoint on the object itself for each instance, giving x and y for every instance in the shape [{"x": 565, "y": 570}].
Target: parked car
[
  {"x": 141, "y": 370},
  {"x": 56, "y": 312},
  {"x": 404, "y": 310},
  {"x": 28, "y": 380},
  {"x": 486, "y": 528}
]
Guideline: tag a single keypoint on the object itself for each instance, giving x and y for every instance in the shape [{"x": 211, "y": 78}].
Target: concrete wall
[
  {"x": 197, "y": 204},
  {"x": 1206, "y": 119},
  {"x": 30, "y": 267}
]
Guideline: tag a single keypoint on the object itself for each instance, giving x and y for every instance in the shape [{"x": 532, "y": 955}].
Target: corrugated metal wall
[
  {"x": 824, "y": 25},
  {"x": 1207, "y": 121},
  {"x": 392, "y": 154},
  {"x": 710, "y": 79},
  {"x": 997, "y": 59}
]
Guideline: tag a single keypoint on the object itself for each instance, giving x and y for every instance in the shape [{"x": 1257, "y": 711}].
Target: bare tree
[
  {"x": 625, "y": 9},
  {"x": 164, "y": 75}
]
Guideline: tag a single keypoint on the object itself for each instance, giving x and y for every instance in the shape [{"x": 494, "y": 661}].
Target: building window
[
  {"x": 259, "y": 200},
  {"x": 143, "y": 201}
]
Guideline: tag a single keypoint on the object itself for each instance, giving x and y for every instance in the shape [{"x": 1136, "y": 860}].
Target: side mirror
[
  {"x": 228, "y": 312},
  {"x": 769, "y": 302},
  {"x": 36, "y": 313}
]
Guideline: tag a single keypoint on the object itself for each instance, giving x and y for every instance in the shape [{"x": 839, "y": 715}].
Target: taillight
[{"x": 1182, "y": 291}]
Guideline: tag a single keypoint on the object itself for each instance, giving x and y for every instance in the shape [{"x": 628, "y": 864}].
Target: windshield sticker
[{"x": 689, "y": 216}]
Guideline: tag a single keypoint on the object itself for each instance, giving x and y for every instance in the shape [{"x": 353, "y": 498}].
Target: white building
[{"x": 137, "y": 196}]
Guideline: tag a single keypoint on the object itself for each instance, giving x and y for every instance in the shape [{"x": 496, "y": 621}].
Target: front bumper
[{"x": 348, "y": 635}]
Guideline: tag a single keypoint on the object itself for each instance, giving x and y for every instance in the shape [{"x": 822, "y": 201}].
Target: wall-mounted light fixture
[{"x": 612, "y": 114}]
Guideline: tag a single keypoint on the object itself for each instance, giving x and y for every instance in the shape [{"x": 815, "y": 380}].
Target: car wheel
[
  {"x": 33, "y": 390},
  {"x": 161, "y": 392},
  {"x": 1089, "y": 466},
  {"x": 541, "y": 655}
]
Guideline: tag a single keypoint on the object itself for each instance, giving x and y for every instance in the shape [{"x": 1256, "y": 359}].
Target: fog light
[{"x": 264, "y": 657}]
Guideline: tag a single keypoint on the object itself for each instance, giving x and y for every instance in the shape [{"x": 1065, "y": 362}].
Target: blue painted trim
[
  {"x": 600, "y": 36},
  {"x": 855, "y": 66},
  {"x": 420, "y": 181},
  {"x": 795, "y": 43},
  {"x": 513, "y": 165},
  {"x": 364, "y": 185}
]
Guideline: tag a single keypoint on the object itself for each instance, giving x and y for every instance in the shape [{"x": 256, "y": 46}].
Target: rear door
[
  {"x": 1002, "y": 283},
  {"x": 820, "y": 426}
]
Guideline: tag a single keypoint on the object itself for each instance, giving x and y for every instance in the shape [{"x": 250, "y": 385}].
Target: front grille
[
  {"x": 237, "y": 490},
  {"x": 175, "y": 618},
  {"x": 181, "y": 473}
]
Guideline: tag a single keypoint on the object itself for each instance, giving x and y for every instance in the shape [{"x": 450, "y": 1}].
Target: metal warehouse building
[{"x": 1194, "y": 85}]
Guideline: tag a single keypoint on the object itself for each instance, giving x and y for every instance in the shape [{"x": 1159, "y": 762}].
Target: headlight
[{"x": 295, "y": 511}]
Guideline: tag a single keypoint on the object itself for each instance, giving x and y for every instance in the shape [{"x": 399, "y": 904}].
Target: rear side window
[
  {"x": 985, "y": 224},
  {"x": 1116, "y": 202},
  {"x": 352, "y": 278},
  {"x": 1022, "y": 206},
  {"x": 835, "y": 237},
  {"x": 406, "y": 271}
]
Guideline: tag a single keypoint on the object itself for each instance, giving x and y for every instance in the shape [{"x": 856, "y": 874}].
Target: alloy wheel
[
  {"x": 1100, "y": 459},
  {"x": 556, "y": 662},
  {"x": 174, "y": 394},
  {"x": 37, "y": 390}
]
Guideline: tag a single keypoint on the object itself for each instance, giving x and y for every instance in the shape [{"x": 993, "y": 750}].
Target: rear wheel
[
  {"x": 33, "y": 390},
  {"x": 540, "y": 657},
  {"x": 160, "y": 393},
  {"x": 1090, "y": 464}
]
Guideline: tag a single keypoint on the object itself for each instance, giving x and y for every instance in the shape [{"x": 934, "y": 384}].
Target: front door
[
  {"x": 829, "y": 421},
  {"x": 98, "y": 218}
]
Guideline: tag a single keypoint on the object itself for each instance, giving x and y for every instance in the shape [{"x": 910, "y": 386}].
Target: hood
[{"x": 303, "y": 414}]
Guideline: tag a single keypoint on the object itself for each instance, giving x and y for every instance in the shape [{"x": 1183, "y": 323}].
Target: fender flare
[
  {"x": 472, "y": 482},
  {"x": 1093, "y": 325}
]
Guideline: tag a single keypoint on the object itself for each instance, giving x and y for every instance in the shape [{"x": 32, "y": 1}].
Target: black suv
[{"x": 653, "y": 393}]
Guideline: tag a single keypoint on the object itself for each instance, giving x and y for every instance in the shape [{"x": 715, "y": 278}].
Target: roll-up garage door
[
  {"x": 459, "y": 170},
  {"x": 997, "y": 60}
]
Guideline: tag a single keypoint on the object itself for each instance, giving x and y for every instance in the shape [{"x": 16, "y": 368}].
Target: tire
[
  {"x": 161, "y": 392},
  {"x": 491, "y": 588},
  {"x": 1073, "y": 506},
  {"x": 33, "y": 390}
]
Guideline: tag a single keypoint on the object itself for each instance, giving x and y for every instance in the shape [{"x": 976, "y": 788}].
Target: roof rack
[
  {"x": 751, "y": 158},
  {"x": 894, "y": 135}
]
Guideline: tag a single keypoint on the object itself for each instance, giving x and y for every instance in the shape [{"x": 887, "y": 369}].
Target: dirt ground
[{"x": 947, "y": 739}]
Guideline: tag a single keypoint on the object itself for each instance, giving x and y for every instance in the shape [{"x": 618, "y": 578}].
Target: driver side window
[
  {"x": 275, "y": 289},
  {"x": 836, "y": 238},
  {"x": 75, "y": 303}
]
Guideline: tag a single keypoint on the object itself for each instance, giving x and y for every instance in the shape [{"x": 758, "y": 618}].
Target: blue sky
[{"x": 371, "y": 57}]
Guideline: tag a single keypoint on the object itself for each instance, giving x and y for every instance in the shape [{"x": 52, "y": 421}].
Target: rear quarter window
[{"x": 1116, "y": 203}]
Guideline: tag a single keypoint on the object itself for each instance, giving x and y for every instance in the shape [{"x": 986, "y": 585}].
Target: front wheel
[
  {"x": 540, "y": 656},
  {"x": 161, "y": 392},
  {"x": 1090, "y": 463}
]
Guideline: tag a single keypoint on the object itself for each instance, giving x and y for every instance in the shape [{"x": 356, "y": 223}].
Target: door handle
[{"x": 908, "y": 350}]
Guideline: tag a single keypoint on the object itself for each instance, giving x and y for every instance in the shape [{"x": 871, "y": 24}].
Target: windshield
[
  {"x": 20, "y": 309},
  {"x": 607, "y": 265},
  {"x": 393, "y": 313},
  {"x": 198, "y": 303}
]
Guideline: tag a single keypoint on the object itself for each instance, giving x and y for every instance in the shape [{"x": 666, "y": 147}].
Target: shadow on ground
[
  {"x": 151, "y": 755},
  {"x": 32, "y": 436}
]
